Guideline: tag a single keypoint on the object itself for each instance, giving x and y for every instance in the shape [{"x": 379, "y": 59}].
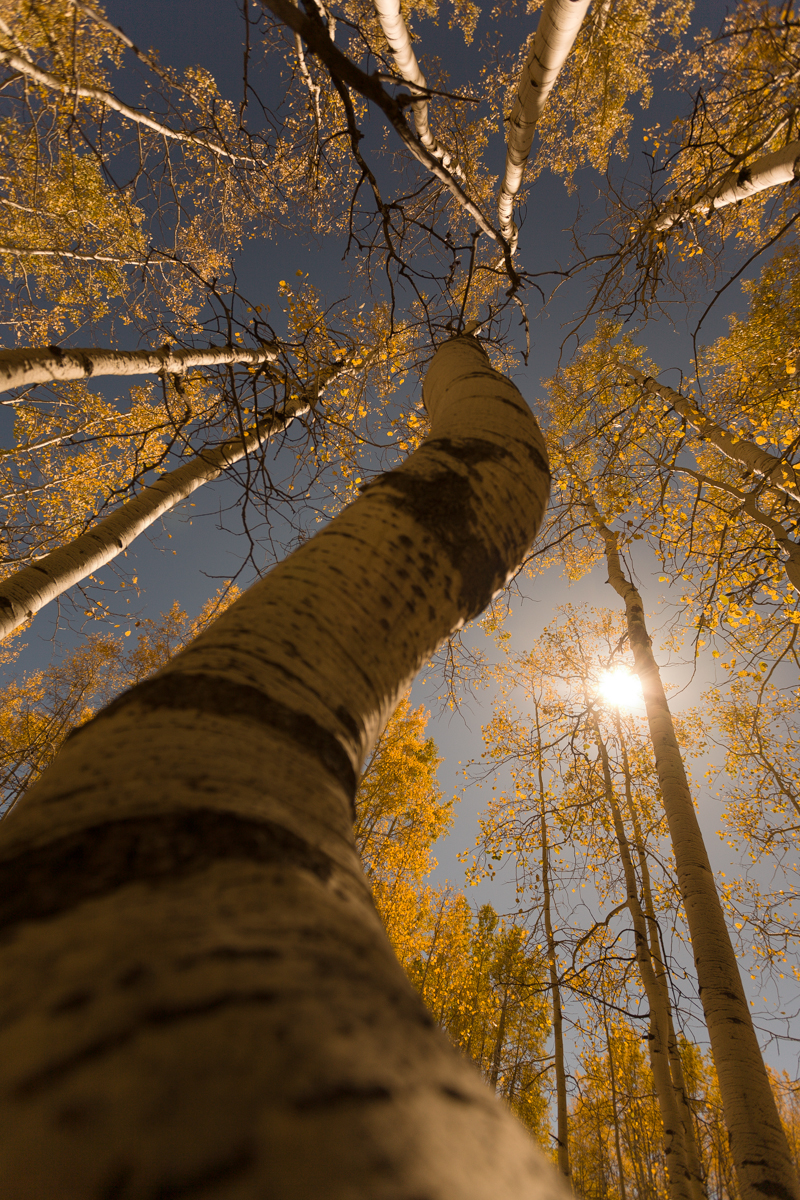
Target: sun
[{"x": 620, "y": 688}]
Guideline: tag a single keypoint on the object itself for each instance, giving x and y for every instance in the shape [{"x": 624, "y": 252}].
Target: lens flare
[{"x": 620, "y": 688}]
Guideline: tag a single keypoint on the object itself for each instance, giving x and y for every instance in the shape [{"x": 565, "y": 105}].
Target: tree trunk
[
  {"x": 23, "y": 368},
  {"x": 198, "y": 994},
  {"x": 562, "y": 1118},
  {"x": 396, "y": 34},
  {"x": 28, "y": 590},
  {"x": 758, "y": 1143},
  {"x": 775, "y": 169},
  {"x": 681, "y": 1184},
  {"x": 559, "y": 24},
  {"x": 779, "y": 474},
  {"x": 615, "y": 1110},
  {"x": 662, "y": 978},
  {"x": 498, "y": 1045}
]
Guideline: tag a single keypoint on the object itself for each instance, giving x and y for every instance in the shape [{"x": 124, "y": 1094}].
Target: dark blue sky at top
[{"x": 190, "y": 564}]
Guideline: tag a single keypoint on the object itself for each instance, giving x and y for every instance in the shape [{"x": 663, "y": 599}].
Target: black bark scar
[
  {"x": 222, "y": 698},
  {"x": 444, "y": 505},
  {"x": 53, "y": 879}
]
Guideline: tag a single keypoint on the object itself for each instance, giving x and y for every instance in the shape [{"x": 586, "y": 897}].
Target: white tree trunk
[
  {"x": 396, "y": 34},
  {"x": 660, "y": 969},
  {"x": 771, "y": 170},
  {"x": 758, "y": 1143},
  {"x": 681, "y": 1184},
  {"x": 199, "y": 998},
  {"x": 22, "y": 368},
  {"x": 28, "y": 590},
  {"x": 555, "y": 34},
  {"x": 780, "y": 475}
]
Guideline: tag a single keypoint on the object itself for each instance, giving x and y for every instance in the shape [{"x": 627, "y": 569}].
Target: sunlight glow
[{"x": 620, "y": 688}]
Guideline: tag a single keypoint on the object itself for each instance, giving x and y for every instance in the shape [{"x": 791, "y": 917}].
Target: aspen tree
[
  {"x": 771, "y": 170},
  {"x": 23, "y": 594},
  {"x": 558, "y": 27},
  {"x": 758, "y": 1143},
  {"x": 659, "y": 967},
  {"x": 203, "y": 993},
  {"x": 775, "y": 471},
  {"x": 684, "y": 1179},
  {"x": 23, "y": 367},
  {"x": 394, "y": 27},
  {"x": 562, "y": 1122}
]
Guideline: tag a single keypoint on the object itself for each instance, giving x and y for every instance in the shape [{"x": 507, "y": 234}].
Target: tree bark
[
  {"x": 680, "y": 1182},
  {"x": 22, "y": 368},
  {"x": 779, "y": 474},
  {"x": 558, "y": 27},
  {"x": 198, "y": 994},
  {"x": 396, "y": 34},
  {"x": 615, "y": 1110},
  {"x": 28, "y": 590},
  {"x": 662, "y": 978},
  {"x": 775, "y": 169},
  {"x": 499, "y": 1040},
  {"x": 757, "y": 1140},
  {"x": 562, "y": 1115}
]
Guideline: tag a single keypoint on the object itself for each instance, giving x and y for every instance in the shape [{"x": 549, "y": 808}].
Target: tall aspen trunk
[
  {"x": 757, "y": 1140},
  {"x": 198, "y": 996},
  {"x": 562, "y": 1116},
  {"x": 662, "y": 977},
  {"x": 28, "y": 590},
  {"x": 498, "y": 1045},
  {"x": 24, "y": 367},
  {"x": 615, "y": 1110},
  {"x": 778, "y": 473},
  {"x": 396, "y": 33},
  {"x": 681, "y": 1184},
  {"x": 559, "y": 25},
  {"x": 775, "y": 169}
]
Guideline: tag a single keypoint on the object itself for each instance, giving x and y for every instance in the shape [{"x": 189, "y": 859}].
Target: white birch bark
[
  {"x": 562, "y": 1115},
  {"x": 558, "y": 27},
  {"x": 775, "y": 169},
  {"x": 396, "y": 33},
  {"x": 28, "y": 590},
  {"x": 198, "y": 996},
  {"x": 779, "y": 474},
  {"x": 679, "y": 1176},
  {"x": 25, "y": 367},
  {"x": 758, "y": 1143},
  {"x": 660, "y": 969}
]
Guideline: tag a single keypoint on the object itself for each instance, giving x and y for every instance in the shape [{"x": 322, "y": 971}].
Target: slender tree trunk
[
  {"x": 562, "y": 1117},
  {"x": 396, "y": 34},
  {"x": 559, "y": 24},
  {"x": 28, "y": 590},
  {"x": 198, "y": 996},
  {"x": 615, "y": 1110},
  {"x": 662, "y": 977},
  {"x": 498, "y": 1045},
  {"x": 779, "y": 474},
  {"x": 758, "y": 1143},
  {"x": 23, "y": 368},
  {"x": 775, "y": 169},
  {"x": 681, "y": 1184}
]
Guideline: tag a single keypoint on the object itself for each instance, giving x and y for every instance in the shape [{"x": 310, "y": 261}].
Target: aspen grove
[{"x": 228, "y": 969}]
